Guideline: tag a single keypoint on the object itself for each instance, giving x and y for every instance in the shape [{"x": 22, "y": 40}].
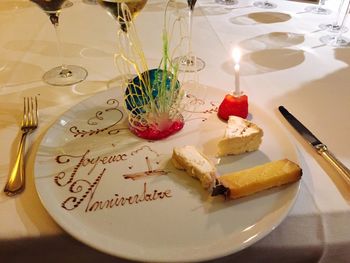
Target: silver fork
[{"x": 16, "y": 181}]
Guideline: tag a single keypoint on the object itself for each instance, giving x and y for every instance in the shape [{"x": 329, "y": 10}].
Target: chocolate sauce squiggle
[
  {"x": 143, "y": 148},
  {"x": 99, "y": 117}
]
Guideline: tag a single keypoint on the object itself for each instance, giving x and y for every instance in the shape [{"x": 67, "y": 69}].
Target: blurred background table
[{"x": 283, "y": 63}]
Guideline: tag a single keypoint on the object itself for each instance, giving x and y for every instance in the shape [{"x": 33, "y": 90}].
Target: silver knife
[{"x": 316, "y": 144}]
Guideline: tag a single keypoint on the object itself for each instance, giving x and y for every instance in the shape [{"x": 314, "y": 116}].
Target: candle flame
[{"x": 236, "y": 55}]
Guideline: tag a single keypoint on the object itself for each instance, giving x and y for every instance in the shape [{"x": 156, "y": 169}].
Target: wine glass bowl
[
  {"x": 115, "y": 10},
  {"x": 113, "y": 7},
  {"x": 63, "y": 75}
]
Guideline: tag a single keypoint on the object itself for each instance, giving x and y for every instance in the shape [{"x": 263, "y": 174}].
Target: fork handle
[{"x": 16, "y": 182}]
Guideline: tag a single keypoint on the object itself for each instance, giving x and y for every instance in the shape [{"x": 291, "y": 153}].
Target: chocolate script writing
[
  {"x": 133, "y": 199},
  {"x": 82, "y": 184},
  {"x": 84, "y": 161}
]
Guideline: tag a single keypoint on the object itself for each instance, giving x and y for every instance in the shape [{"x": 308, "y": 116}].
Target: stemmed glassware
[
  {"x": 114, "y": 9},
  {"x": 337, "y": 40},
  {"x": 63, "y": 75},
  {"x": 226, "y": 2},
  {"x": 318, "y": 9},
  {"x": 265, "y": 4},
  {"x": 335, "y": 26},
  {"x": 189, "y": 62}
]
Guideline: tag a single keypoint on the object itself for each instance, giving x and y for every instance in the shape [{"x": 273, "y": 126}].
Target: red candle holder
[{"x": 233, "y": 105}]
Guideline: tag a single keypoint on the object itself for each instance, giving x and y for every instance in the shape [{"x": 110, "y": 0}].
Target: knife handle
[{"x": 338, "y": 165}]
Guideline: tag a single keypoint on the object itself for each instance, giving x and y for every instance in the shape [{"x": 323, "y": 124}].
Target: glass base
[
  {"x": 265, "y": 4},
  {"x": 67, "y": 4},
  {"x": 333, "y": 28},
  {"x": 226, "y": 2},
  {"x": 189, "y": 63},
  {"x": 318, "y": 10},
  {"x": 335, "y": 41},
  {"x": 66, "y": 76},
  {"x": 90, "y": 2}
]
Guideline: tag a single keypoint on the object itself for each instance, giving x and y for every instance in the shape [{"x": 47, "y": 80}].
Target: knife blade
[{"x": 321, "y": 148}]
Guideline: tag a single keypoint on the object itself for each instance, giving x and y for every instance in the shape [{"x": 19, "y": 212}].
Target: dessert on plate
[
  {"x": 249, "y": 181},
  {"x": 195, "y": 163},
  {"x": 240, "y": 136}
]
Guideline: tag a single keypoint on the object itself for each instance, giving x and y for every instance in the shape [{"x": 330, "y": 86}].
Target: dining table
[{"x": 283, "y": 63}]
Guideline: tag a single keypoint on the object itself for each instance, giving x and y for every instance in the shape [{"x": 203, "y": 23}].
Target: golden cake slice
[
  {"x": 240, "y": 136},
  {"x": 258, "y": 178},
  {"x": 195, "y": 163}
]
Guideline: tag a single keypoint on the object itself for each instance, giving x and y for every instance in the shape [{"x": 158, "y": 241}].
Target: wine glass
[
  {"x": 338, "y": 40},
  {"x": 226, "y": 2},
  {"x": 264, "y": 4},
  {"x": 189, "y": 62},
  {"x": 114, "y": 9},
  {"x": 319, "y": 9},
  {"x": 335, "y": 26},
  {"x": 63, "y": 75}
]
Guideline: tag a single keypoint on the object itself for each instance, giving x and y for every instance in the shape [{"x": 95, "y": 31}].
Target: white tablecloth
[{"x": 283, "y": 63}]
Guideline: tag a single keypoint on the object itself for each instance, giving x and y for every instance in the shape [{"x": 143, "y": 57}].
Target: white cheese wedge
[
  {"x": 195, "y": 163},
  {"x": 240, "y": 136}
]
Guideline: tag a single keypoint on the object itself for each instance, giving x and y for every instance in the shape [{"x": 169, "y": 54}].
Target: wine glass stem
[
  {"x": 342, "y": 22},
  {"x": 54, "y": 18},
  {"x": 190, "y": 19},
  {"x": 338, "y": 17}
]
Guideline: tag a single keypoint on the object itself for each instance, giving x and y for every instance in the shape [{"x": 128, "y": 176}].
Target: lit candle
[{"x": 236, "y": 55}]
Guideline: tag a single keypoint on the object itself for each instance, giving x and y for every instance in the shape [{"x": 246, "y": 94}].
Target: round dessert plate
[{"x": 121, "y": 194}]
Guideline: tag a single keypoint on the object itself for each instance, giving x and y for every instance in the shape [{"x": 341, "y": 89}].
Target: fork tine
[
  {"x": 31, "y": 113},
  {"x": 25, "y": 111},
  {"x": 36, "y": 119}
]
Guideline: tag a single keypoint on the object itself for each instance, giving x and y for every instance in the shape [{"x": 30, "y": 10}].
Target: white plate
[{"x": 176, "y": 220}]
